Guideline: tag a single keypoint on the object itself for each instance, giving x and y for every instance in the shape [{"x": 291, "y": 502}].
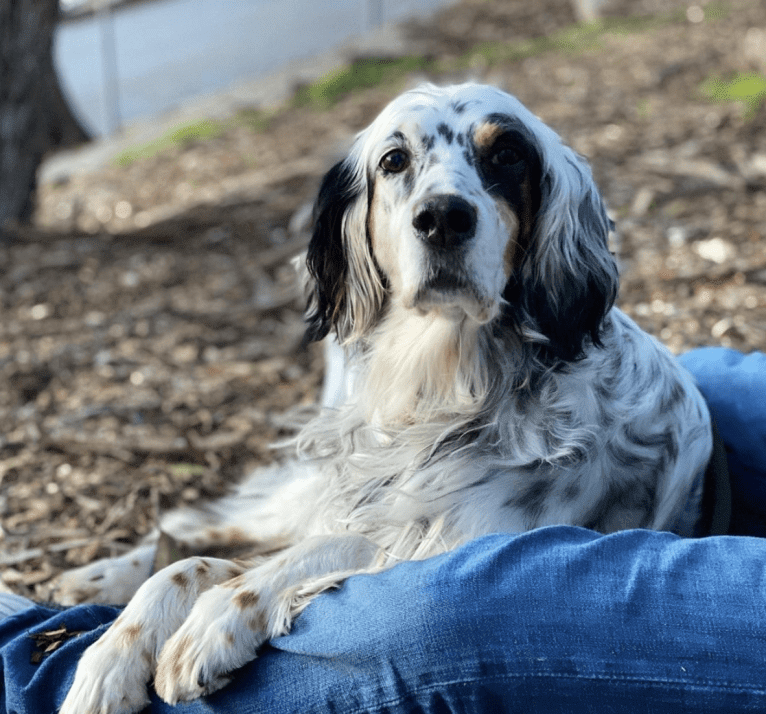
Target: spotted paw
[
  {"x": 222, "y": 632},
  {"x": 111, "y": 581},
  {"x": 112, "y": 675}
]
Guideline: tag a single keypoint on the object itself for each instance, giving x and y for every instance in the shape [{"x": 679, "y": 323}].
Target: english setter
[{"x": 459, "y": 258}]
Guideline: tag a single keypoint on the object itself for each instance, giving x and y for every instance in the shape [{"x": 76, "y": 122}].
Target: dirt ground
[{"x": 150, "y": 328}]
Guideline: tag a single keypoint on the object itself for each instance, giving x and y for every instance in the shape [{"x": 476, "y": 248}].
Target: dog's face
[
  {"x": 459, "y": 200},
  {"x": 453, "y": 192}
]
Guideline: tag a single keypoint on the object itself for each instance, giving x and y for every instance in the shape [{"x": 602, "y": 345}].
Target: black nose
[{"x": 445, "y": 221}]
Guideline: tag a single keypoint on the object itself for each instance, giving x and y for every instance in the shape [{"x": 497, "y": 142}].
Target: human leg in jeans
[{"x": 558, "y": 619}]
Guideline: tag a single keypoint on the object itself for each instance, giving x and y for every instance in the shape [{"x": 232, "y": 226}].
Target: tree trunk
[
  {"x": 31, "y": 116},
  {"x": 65, "y": 129}
]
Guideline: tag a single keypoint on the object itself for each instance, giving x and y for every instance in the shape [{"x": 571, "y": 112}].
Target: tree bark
[
  {"x": 65, "y": 129},
  {"x": 32, "y": 119}
]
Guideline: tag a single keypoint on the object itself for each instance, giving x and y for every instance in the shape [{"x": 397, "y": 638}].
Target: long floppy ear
[
  {"x": 346, "y": 290},
  {"x": 325, "y": 258},
  {"x": 569, "y": 279}
]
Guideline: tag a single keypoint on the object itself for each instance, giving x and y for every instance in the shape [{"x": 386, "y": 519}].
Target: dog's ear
[
  {"x": 568, "y": 280},
  {"x": 345, "y": 285},
  {"x": 325, "y": 259}
]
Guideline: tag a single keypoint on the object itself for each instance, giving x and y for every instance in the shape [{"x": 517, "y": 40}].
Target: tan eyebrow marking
[{"x": 486, "y": 133}]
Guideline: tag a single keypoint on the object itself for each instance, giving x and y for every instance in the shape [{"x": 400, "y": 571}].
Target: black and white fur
[{"x": 460, "y": 260}]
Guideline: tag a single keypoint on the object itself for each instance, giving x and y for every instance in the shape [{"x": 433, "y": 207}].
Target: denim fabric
[
  {"x": 10, "y": 603},
  {"x": 734, "y": 386},
  {"x": 555, "y": 620},
  {"x": 560, "y": 619}
]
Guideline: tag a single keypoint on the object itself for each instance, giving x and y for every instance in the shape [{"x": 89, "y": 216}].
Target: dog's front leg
[
  {"x": 230, "y": 621},
  {"x": 113, "y": 673},
  {"x": 111, "y": 581}
]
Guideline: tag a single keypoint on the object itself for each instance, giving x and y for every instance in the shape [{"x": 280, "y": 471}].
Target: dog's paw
[
  {"x": 112, "y": 581},
  {"x": 222, "y": 632},
  {"x": 112, "y": 675}
]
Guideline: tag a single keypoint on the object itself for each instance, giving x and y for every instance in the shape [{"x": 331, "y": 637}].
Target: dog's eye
[
  {"x": 395, "y": 161},
  {"x": 505, "y": 156}
]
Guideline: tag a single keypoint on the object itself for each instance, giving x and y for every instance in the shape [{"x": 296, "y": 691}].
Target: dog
[{"x": 481, "y": 381}]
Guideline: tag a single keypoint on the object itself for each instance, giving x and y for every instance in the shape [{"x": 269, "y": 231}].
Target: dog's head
[{"x": 460, "y": 200}]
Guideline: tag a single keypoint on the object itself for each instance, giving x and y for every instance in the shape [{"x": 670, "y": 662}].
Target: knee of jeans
[
  {"x": 379, "y": 616},
  {"x": 422, "y": 609}
]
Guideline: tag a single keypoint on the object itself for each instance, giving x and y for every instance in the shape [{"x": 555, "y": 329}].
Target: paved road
[{"x": 170, "y": 51}]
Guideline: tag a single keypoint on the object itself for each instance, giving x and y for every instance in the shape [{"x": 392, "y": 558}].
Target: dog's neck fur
[{"x": 424, "y": 368}]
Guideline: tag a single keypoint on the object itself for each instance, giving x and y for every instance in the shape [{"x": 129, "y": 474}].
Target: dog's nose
[{"x": 445, "y": 221}]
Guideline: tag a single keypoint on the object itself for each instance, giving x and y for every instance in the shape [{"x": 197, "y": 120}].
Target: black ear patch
[
  {"x": 326, "y": 258},
  {"x": 568, "y": 281}
]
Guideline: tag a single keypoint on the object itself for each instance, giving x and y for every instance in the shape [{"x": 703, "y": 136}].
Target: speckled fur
[{"x": 479, "y": 380}]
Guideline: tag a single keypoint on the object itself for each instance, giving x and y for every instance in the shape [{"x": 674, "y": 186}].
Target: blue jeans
[{"x": 560, "y": 619}]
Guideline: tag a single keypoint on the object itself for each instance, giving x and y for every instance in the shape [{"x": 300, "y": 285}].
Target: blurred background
[
  {"x": 158, "y": 161},
  {"x": 117, "y": 66}
]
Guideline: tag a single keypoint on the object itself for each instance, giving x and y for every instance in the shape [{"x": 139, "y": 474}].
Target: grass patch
[
  {"x": 748, "y": 88},
  {"x": 184, "y": 134},
  {"x": 375, "y": 71},
  {"x": 716, "y": 10},
  {"x": 361, "y": 74},
  {"x": 254, "y": 119},
  {"x": 368, "y": 72},
  {"x": 186, "y": 469},
  {"x": 570, "y": 40}
]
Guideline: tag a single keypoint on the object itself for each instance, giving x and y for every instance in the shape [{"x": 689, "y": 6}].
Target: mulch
[{"x": 150, "y": 325}]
